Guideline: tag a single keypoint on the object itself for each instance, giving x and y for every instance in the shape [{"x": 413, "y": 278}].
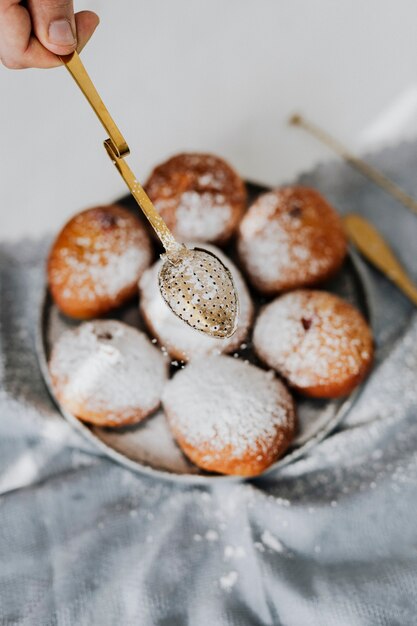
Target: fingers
[
  {"x": 15, "y": 28},
  {"x": 56, "y": 26},
  {"x": 86, "y": 23},
  {"x": 19, "y": 48},
  {"x": 53, "y": 23}
]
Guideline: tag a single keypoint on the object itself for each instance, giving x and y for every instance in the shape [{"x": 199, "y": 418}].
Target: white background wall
[{"x": 209, "y": 75}]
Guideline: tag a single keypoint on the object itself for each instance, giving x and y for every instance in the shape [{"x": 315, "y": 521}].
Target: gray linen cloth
[{"x": 329, "y": 540}]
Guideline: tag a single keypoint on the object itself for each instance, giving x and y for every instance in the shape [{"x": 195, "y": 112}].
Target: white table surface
[{"x": 220, "y": 76}]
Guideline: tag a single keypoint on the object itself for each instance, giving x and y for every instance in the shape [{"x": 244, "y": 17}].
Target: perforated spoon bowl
[
  {"x": 194, "y": 283},
  {"x": 199, "y": 289}
]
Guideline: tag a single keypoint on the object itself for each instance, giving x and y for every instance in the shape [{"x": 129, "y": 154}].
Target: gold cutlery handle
[
  {"x": 77, "y": 70},
  {"x": 373, "y": 247},
  {"x": 143, "y": 200},
  {"x": 117, "y": 148}
]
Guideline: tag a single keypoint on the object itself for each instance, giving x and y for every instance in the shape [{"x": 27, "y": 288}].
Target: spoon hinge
[{"x": 117, "y": 148}]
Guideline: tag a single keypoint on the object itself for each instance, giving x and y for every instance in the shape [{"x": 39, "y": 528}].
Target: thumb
[{"x": 54, "y": 25}]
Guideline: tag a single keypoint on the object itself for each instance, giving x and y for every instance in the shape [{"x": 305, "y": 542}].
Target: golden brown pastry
[
  {"x": 107, "y": 373},
  {"x": 289, "y": 238},
  {"x": 318, "y": 342},
  {"x": 229, "y": 416},
  {"x": 96, "y": 261},
  {"x": 200, "y": 197}
]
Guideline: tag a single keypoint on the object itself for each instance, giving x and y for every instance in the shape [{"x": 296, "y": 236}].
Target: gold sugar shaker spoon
[{"x": 194, "y": 283}]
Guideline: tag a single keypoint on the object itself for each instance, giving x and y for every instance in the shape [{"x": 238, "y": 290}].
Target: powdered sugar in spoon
[{"x": 194, "y": 283}]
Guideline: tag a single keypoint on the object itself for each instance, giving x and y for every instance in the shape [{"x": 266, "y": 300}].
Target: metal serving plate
[{"x": 148, "y": 448}]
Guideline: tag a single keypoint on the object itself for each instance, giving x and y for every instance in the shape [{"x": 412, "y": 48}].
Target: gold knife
[{"x": 374, "y": 248}]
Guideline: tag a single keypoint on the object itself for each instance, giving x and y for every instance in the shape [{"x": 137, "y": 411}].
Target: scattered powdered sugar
[
  {"x": 278, "y": 247},
  {"x": 112, "y": 271},
  {"x": 107, "y": 366},
  {"x": 202, "y": 217},
  {"x": 234, "y": 552},
  {"x": 229, "y": 580},
  {"x": 259, "y": 546},
  {"x": 272, "y": 542},
  {"x": 226, "y": 403},
  {"x": 208, "y": 179},
  {"x": 212, "y": 535},
  {"x": 270, "y": 253},
  {"x": 312, "y": 337},
  {"x": 202, "y": 285},
  {"x": 180, "y": 340},
  {"x": 103, "y": 264}
]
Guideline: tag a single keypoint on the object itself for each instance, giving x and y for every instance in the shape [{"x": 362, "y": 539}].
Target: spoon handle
[
  {"x": 77, "y": 70},
  {"x": 143, "y": 200},
  {"x": 117, "y": 148},
  {"x": 373, "y": 246}
]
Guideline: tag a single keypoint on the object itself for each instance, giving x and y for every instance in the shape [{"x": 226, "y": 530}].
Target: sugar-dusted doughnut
[
  {"x": 318, "y": 342},
  {"x": 107, "y": 373},
  {"x": 200, "y": 197},
  {"x": 229, "y": 416},
  {"x": 289, "y": 238},
  {"x": 180, "y": 340},
  {"x": 96, "y": 261}
]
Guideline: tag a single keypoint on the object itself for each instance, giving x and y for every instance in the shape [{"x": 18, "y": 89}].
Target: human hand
[{"x": 34, "y": 32}]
